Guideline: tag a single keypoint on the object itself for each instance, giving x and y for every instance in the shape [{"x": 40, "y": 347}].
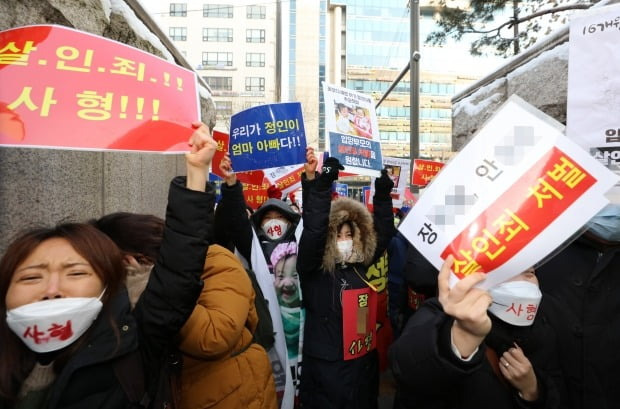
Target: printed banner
[
  {"x": 341, "y": 188},
  {"x": 286, "y": 178},
  {"x": 63, "y": 88},
  {"x": 352, "y": 130},
  {"x": 511, "y": 196},
  {"x": 359, "y": 322},
  {"x": 398, "y": 171},
  {"x": 593, "y": 107},
  {"x": 256, "y": 195},
  {"x": 424, "y": 171},
  {"x": 267, "y": 136}
]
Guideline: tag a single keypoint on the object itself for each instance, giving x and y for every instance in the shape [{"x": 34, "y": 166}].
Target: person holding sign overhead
[
  {"x": 454, "y": 354},
  {"x": 68, "y": 327},
  {"x": 339, "y": 241}
]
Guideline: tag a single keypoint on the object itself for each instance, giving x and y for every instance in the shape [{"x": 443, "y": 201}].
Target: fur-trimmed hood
[{"x": 364, "y": 236}]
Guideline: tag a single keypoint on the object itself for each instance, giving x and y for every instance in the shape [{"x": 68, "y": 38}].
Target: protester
[
  {"x": 339, "y": 240},
  {"x": 69, "y": 329},
  {"x": 453, "y": 354},
  {"x": 216, "y": 342},
  {"x": 584, "y": 278},
  {"x": 271, "y": 228}
]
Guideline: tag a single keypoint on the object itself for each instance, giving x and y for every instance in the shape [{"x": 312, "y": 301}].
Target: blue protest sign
[
  {"x": 361, "y": 153},
  {"x": 267, "y": 136},
  {"x": 342, "y": 189}
]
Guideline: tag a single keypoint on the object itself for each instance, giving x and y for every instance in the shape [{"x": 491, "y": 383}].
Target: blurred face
[
  {"x": 345, "y": 233},
  {"x": 273, "y": 214},
  {"x": 360, "y": 112},
  {"x": 287, "y": 281},
  {"x": 527, "y": 275},
  {"x": 343, "y": 110},
  {"x": 53, "y": 270}
]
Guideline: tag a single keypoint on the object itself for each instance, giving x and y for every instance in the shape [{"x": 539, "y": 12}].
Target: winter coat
[
  {"x": 329, "y": 381},
  {"x": 88, "y": 380},
  {"x": 222, "y": 368},
  {"x": 584, "y": 278},
  {"x": 234, "y": 229},
  {"x": 430, "y": 375}
]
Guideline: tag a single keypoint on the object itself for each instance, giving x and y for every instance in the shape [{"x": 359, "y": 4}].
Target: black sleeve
[
  {"x": 174, "y": 284},
  {"x": 422, "y": 359},
  {"x": 420, "y": 274},
  {"x": 315, "y": 216},
  {"x": 384, "y": 224},
  {"x": 231, "y": 215}
]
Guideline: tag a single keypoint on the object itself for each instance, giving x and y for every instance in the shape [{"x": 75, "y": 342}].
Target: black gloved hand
[
  {"x": 383, "y": 186},
  {"x": 329, "y": 173}
]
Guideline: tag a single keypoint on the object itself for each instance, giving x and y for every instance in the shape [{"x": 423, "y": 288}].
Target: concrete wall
[{"x": 43, "y": 186}]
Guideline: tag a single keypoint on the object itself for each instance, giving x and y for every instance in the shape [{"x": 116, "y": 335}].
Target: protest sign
[
  {"x": 285, "y": 178},
  {"x": 62, "y": 88},
  {"x": 267, "y": 136},
  {"x": 351, "y": 130},
  {"x": 397, "y": 170},
  {"x": 256, "y": 195},
  {"x": 251, "y": 177},
  {"x": 424, "y": 171},
  {"x": 341, "y": 188},
  {"x": 512, "y": 195},
  {"x": 593, "y": 106}
]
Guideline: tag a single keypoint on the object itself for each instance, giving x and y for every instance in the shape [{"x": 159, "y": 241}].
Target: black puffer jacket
[
  {"x": 327, "y": 380},
  {"x": 584, "y": 278},
  {"x": 89, "y": 378},
  {"x": 429, "y": 375}
]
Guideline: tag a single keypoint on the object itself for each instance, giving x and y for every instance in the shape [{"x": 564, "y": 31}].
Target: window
[
  {"x": 217, "y": 59},
  {"x": 256, "y": 12},
  {"x": 255, "y": 59},
  {"x": 254, "y": 36},
  {"x": 217, "y": 10},
  {"x": 252, "y": 104},
  {"x": 223, "y": 108},
  {"x": 254, "y": 84},
  {"x": 222, "y": 35},
  {"x": 178, "y": 33},
  {"x": 178, "y": 9},
  {"x": 219, "y": 83}
]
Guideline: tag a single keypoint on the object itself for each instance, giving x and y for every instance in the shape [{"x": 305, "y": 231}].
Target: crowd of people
[{"x": 132, "y": 311}]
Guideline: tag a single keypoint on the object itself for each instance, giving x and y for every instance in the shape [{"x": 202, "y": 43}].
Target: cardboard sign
[
  {"x": 62, "y": 88},
  {"x": 593, "y": 106},
  {"x": 511, "y": 196},
  {"x": 267, "y": 136},
  {"x": 352, "y": 130},
  {"x": 424, "y": 171}
]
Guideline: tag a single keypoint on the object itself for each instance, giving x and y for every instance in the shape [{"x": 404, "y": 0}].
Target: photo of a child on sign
[
  {"x": 361, "y": 122},
  {"x": 344, "y": 122}
]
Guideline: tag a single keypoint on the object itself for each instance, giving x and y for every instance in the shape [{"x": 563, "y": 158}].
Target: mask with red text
[{"x": 275, "y": 228}]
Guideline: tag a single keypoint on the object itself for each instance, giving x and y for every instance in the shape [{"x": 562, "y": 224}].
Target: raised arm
[
  {"x": 174, "y": 284},
  {"x": 382, "y": 214}
]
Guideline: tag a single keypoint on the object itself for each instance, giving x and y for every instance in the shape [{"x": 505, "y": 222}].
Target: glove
[
  {"x": 383, "y": 186},
  {"x": 329, "y": 173}
]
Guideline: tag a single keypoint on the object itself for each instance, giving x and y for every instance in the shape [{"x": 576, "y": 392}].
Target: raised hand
[
  {"x": 311, "y": 163},
  {"x": 468, "y": 306},
  {"x": 230, "y": 177},
  {"x": 198, "y": 159}
]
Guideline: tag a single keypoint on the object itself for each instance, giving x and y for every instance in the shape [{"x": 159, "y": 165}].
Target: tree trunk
[{"x": 515, "y": 27}]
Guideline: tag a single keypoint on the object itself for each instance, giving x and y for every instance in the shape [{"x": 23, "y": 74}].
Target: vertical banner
[
  {"x": 424, "y": 171},
  {"x": 593, "y": 106},
  {"x": 352, "y": 131},
  {"x": 63, "y": 88},
  {"x": 267, "y": 136},
  {"x": 512, "y": 195}
]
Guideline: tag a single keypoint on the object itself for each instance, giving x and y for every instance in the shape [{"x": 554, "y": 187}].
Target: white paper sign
[
  {"x": 593, "y": 109},
  {"x": 398, "y": 171},
  {"x": 512, "y": 195},
  {"x": 352, "y": 131}
]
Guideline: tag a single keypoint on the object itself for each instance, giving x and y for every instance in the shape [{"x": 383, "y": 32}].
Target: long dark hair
[
  {"x": 138, "y": 235},
  {"x": 98, "y": 249}
]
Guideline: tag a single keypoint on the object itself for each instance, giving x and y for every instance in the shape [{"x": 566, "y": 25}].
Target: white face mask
[
  {"x": 515, "y": 302},
  {"x": 345, "y": 248},
  {"x": 50, "y": 325},
  {"x": 275, "y": 228}
]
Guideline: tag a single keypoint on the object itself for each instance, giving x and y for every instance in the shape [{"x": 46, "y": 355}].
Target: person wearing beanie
[
  {"x": 272, "y": 227},
  {"x": 340, "y": 239}
]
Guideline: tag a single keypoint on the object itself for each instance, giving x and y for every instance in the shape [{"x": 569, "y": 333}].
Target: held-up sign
[
  {"x": 512, "y": 195},
  {"x": 267, "y": 136},
  {"x": 424, "y": 171},
  {"x": 62, "y": 88}
]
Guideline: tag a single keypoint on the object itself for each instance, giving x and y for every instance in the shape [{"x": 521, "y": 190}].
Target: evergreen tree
[{"x": 530, "y": 19}]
